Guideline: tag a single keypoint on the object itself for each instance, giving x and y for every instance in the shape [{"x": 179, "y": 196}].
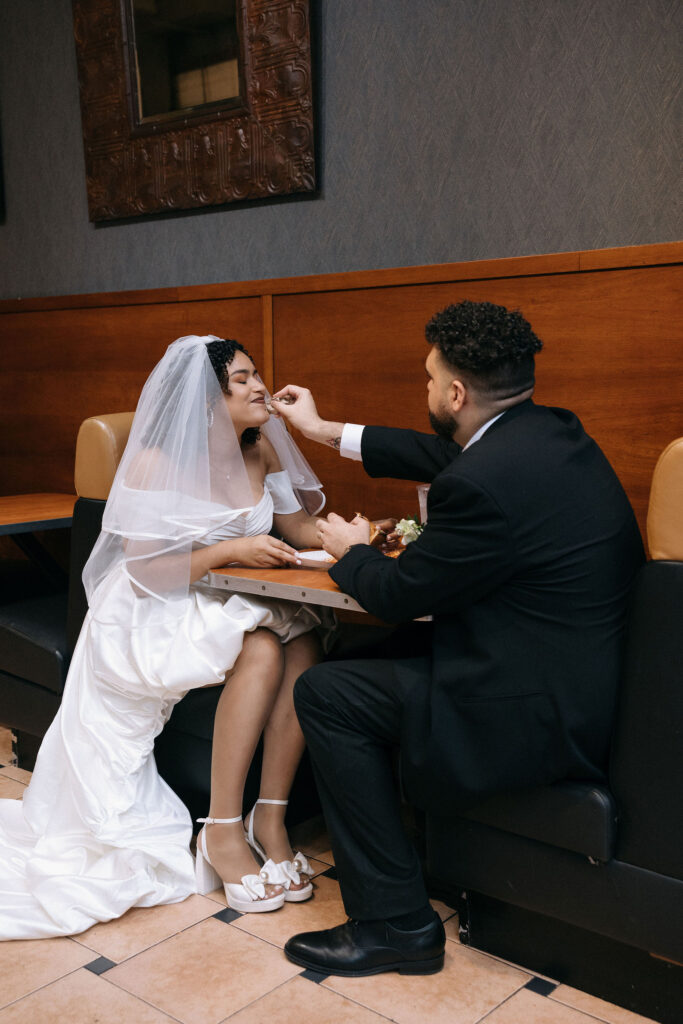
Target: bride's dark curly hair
[
  {"x": 493, "y": 345},
  {"x": 221, "y": 354}
]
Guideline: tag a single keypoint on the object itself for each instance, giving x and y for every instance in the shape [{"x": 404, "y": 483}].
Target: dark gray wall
[{"x": 449, "y": 130}]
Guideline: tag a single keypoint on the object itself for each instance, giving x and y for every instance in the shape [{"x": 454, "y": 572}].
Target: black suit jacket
[{"x": 526, "y": 564}]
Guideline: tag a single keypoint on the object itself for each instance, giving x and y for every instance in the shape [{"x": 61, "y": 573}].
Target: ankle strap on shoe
[
  {"x": 282, "y": 803},
  {"x": 219, "y": 821}
]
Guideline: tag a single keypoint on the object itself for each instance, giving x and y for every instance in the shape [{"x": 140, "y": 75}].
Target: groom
[{"x": 525, "y": 564}]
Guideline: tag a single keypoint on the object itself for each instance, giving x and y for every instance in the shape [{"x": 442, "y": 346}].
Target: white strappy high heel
[
  {"x": 289, "y": 870},
  {"x": 247, "y": 896}
]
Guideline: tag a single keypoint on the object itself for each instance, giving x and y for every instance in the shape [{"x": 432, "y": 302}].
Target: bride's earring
[{"x": 209, "y": 418}]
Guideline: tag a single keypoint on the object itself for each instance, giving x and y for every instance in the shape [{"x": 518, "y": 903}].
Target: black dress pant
[{"x": 351, "y": 712}]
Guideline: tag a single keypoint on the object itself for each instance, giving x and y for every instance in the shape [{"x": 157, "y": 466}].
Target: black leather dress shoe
[{"x": 358, "y": 948}]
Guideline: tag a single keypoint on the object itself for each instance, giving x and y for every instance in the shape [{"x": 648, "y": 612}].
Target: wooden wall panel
[
  {"x": 610, "y": 321},
  {"x": 612, "y": 354},
  {"x": 61, "y": 366}
]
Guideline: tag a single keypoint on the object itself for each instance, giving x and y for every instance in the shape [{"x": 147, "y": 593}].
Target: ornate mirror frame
[{"x": 261, "y": 148}]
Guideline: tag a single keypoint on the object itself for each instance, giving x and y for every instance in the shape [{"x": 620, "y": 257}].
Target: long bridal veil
[
  {"x": 182, "y": 475},
  {"x": 98, "y": 831}
]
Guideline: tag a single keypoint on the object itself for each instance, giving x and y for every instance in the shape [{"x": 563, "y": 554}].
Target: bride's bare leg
[
  {"x": 246, "y": 703},
  {"x": 283, "y": 745}
]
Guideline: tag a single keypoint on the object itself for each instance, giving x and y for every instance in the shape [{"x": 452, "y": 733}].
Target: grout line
[
  {"x": 592, "y": 1016},
  {"x": 567, "y": 1006},
  {"x": 501, "y": 1003},
  {"x": 152, "y": 944},
  {"x": 145, "y": 1002},
  {"x": 46, "y": 985},
  {"x": 262, "y": 996},
  {"x": 508, "y": 963},
  {"x": 357, "y": 1002},
  {"x": 244, "y": 931}
]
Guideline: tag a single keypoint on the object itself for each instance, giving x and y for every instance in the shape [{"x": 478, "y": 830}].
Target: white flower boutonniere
[{"x": 408, "y": 529}]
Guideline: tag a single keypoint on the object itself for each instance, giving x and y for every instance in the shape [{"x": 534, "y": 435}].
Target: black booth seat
[
  {"x": 33, "y": 643},
  {"x": 584, "y": 882},
  {"x": 576, "y": 816},
  {"x": 34, "y": 654}
]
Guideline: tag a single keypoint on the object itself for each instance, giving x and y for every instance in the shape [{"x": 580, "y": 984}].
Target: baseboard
[{"x": 610, "y": 970}]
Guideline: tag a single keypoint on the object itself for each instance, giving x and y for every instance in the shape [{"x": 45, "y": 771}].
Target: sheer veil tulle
[
  {"x": 98, "y": 830},
  {"x": 181, "y": 476},
  {"x": 307, "y": 487}
]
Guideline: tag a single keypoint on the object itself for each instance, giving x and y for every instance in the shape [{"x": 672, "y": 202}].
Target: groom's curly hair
[
  {"x": 490, "y": 344},
  {"x": 221, "y": 354}
]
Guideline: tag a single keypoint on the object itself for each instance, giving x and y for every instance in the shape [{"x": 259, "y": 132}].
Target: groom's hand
[
  {"x": 296, "y": 406},
  {"x": 336, "y": 535}
]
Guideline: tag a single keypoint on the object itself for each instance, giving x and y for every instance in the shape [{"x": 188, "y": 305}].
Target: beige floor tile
[
  {"x": 315, "y": 846},
  {"x": 217, "y": 896},
  {"x": 529, "y": 1008},
  {"x": 319, "y": 864},
  {"x": 82, "y": 998},
  {"x": 323, "y": 910},
  {"x": 5, "y": 746},
  {"x": 10, "y": 789},
  {"x": 10, "y": 771},
  {"x": 204, "y": 974},
  {"x": 597, "y": 1007},
  {"x": 26, "y": 965},
  {"x": 142, "y": 927},
  {"x": 469, "y": 986},
  {"x": 443, "y": 910},
  {"x": 451, "y": 927},
  {"x": 299, "y": 1001}
]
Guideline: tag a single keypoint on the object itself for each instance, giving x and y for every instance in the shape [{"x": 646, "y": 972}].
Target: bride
[{"x": 204, "y": 476}]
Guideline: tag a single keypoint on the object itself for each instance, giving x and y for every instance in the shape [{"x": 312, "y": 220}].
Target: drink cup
[{"x": 422, "y": 492}]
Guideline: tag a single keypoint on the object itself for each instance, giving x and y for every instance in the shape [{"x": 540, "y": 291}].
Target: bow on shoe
[
  {"x": 293, "y": 869},
  {"x": 270, "y": 874}
]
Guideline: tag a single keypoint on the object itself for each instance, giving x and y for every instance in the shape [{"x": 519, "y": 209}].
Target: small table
[
  {"x": 22, "y": 514},
  {"x": 306, "y": 586}
]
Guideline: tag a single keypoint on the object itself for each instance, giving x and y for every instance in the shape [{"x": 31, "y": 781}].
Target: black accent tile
[
  {"x": 540, "y": 986},
  {"x": 315, "y": 976},
  {"x": 331, "y": 873},
  {"x": 227, "y": 915},
  {"x": 100, "y": 965}
]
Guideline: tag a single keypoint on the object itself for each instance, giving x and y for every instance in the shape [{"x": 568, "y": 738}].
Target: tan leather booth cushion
[
  {"x": 665, "y": 511},
  {"x": 99, "y": 447}
]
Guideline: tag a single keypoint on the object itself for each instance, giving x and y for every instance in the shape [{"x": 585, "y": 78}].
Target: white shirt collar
[{"x": 482, "y": 430}]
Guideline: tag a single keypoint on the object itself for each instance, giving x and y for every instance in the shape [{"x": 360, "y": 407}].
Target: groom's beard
[{"x": 444, "y": 425}]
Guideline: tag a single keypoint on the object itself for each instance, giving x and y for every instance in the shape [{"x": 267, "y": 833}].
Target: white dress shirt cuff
[{"x": 349, "y": 446}]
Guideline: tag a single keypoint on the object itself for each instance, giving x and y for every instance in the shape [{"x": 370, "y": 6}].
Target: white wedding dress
[{"x": 98, "y": 831}]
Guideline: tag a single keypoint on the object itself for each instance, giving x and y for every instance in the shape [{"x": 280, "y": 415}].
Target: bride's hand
[{"x": 264, "y": 551}]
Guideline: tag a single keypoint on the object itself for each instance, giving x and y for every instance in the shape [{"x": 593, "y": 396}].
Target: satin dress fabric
[{"x": 98, "y": 830}]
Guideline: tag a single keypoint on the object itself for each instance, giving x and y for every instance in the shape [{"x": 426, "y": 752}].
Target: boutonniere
[{"x": 408, "y": 529}]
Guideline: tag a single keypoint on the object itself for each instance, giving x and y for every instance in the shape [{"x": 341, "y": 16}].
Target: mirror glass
[{"x": 186, "y": 55}]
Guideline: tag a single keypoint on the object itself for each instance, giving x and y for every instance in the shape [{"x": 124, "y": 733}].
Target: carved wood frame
[{"x": 262, "y": 149}]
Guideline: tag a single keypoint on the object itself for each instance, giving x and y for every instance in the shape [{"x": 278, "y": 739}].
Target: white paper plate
[{"x": 315, "y": 559}]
